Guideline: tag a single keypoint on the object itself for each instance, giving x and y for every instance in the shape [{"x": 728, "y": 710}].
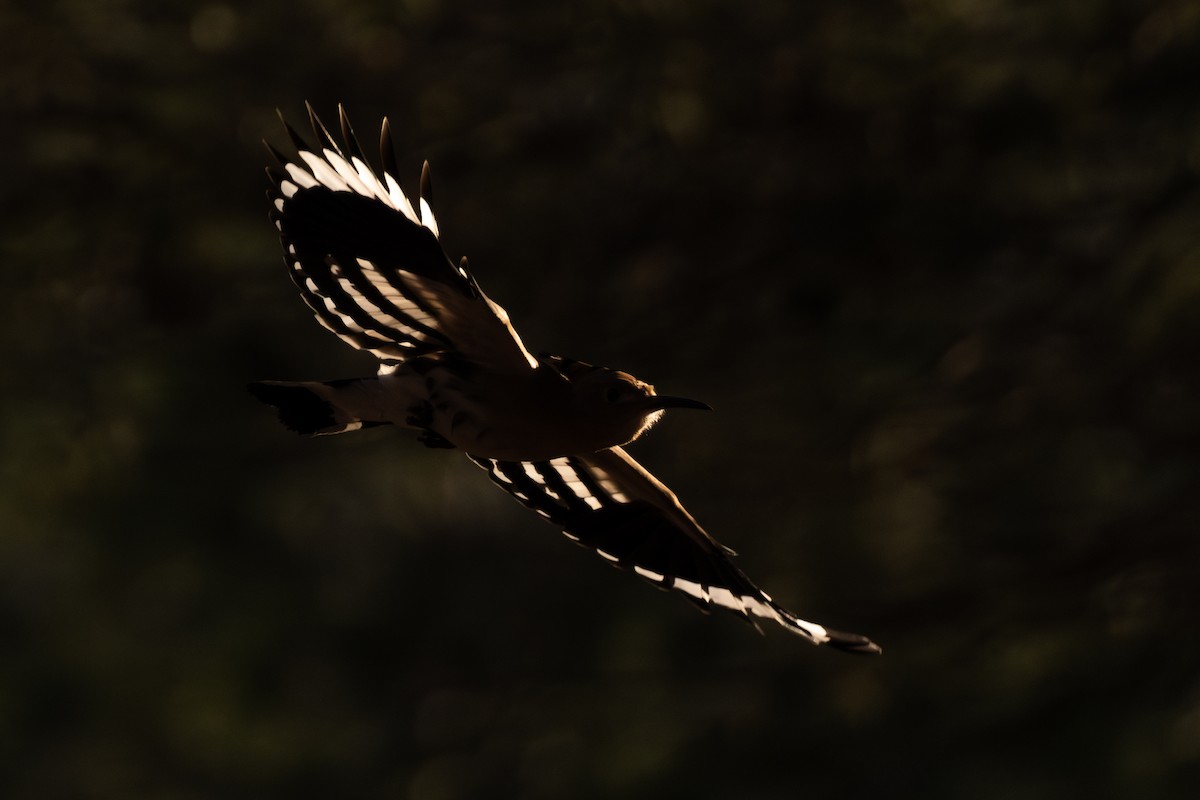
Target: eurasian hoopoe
[{"x": 548, "y": 430}]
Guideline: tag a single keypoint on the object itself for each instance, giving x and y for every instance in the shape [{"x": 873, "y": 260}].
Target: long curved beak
[{"x": 671, "y": 401}]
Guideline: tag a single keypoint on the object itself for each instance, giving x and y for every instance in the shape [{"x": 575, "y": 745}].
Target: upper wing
[
  {"x": 609, "y": 503},
  {"x": 369, "y": 266}
]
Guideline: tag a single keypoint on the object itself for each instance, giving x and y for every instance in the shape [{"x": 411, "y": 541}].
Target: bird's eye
[{"x": 613, "y": 394}]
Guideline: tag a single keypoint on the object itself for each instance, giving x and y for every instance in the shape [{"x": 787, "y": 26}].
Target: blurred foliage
[{"x": 936, "y": 263}]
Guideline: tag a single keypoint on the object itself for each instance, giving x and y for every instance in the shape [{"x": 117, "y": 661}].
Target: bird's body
[
  {"x": 548, "y": 430},
  {"x": 511, "y": 415}
]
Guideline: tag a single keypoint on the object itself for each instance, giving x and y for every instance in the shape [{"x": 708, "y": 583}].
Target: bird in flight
[{"x": 548, "y": 430}]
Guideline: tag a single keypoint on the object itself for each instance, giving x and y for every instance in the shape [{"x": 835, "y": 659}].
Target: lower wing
[{"x": 608, "y": 503}]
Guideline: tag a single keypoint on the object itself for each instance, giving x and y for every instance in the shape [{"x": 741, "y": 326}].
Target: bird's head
[{"x": 621, "y": 405}]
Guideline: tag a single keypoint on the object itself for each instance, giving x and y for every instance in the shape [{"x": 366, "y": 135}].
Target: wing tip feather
[{"x": 852, "y": 643}]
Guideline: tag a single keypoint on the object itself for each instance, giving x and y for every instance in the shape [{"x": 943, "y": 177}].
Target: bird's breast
[{"x": 508, "y": 416}]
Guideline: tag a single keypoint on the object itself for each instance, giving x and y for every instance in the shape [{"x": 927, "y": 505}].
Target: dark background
[{"x": 936, "y": 263}]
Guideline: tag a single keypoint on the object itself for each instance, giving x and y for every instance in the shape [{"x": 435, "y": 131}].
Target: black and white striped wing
[
  {"x": 610, "y": 504},
  {"x": 370, "y": 265}
]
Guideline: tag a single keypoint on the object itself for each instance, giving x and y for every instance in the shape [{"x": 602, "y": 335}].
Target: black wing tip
[
  {"x": 295, "y": 138},
  {"x": 279, "y": 157},
  {"x": 324, "y": 138},
  {"x": 387, "y": 150},
  {"x": 348, "y": 137},
  {"x": 426, "y": 184},
  {"x": 852, "y": 643}
]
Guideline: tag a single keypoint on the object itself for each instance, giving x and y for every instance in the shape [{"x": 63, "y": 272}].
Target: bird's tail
[{"x": 315, "y": 408}]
